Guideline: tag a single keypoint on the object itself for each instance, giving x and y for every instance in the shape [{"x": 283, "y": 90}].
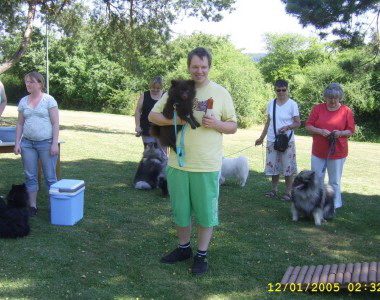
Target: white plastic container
[{"x": 66, "y": 201}]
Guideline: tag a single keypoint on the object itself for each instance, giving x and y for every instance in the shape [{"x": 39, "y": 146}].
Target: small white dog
[{"x": 235, "y": 167}]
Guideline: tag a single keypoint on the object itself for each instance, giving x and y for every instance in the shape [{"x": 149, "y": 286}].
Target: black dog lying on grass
[
  {"x": 150, "y": 173},
  {"x": 14, "y": 213},
  {"x": 181, "y": 97}
]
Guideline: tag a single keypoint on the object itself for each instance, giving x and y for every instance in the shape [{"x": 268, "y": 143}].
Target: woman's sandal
[
  {"x": 286, "y": 197},
  {"x": 271, "y": 194}
]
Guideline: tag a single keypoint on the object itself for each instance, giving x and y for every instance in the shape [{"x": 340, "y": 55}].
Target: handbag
[{"x": 281, "y": 141}]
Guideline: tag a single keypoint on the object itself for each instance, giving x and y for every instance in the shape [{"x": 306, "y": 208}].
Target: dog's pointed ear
[{"x": 174, "y": 82}]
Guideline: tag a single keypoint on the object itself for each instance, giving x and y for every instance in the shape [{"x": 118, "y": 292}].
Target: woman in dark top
[{"x": 144, "y": 105}]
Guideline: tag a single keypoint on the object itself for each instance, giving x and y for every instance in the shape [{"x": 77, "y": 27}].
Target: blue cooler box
[
  {"x": 7, "y": 134},
  {"x": 66, "y": 201}
]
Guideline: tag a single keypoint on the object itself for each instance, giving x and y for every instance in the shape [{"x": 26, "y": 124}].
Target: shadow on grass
[
  {"x": 94, "y": 129},
  {"x": 114, "y": 251}
]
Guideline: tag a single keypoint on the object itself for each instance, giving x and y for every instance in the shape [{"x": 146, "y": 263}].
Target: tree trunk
[{"x": 26, "y": 39}]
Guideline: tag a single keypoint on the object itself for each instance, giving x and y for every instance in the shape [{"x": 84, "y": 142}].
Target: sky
[{"x": 247, "y": 24}]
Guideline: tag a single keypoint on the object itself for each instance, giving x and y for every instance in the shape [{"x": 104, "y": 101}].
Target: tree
[
  {"x": 288, "y": 55},
  {"x": 345, "y": 18},
  {"x": 230, "y": 68},
  {"x": 12, "y": 14},
  {"x": 137, "y": 25}
]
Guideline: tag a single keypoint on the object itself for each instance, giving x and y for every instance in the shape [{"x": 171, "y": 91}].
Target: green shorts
[{"x": 193, "y": 192}]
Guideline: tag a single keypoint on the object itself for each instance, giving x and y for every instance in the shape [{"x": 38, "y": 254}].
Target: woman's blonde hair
[
  {"x": 38, "y": 77},
  {"x": 156, "y": 80}
]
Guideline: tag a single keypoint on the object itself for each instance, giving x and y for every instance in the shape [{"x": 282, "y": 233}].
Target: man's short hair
[{"x": 201, "y": 53}]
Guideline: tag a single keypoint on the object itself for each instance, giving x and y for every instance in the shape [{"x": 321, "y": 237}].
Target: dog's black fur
[
  {"x": 150, "y": 173},
  {"x": 312, "y": 198},
  {"x": 181, "y": 97},
  {"x": 14, "y": 213}
]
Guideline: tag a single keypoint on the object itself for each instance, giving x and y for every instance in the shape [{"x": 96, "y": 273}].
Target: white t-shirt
[
  {"x": 37, "y": 125},
  {"x": 284, "y": 117}
]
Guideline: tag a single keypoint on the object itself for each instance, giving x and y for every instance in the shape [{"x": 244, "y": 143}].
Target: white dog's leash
[{"x": 238, "y": 151}]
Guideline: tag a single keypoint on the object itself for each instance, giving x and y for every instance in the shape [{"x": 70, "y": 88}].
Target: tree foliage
[
  {"x": 288, "y": 55},
  {"x": 343, "y": 17},
  {"x": 21, "y": 14},
  {"x": 124, "y": 26},
  {"x": 233, "y": 70}
]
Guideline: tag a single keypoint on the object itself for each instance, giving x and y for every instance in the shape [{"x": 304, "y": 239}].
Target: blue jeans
[{"x": 31, "y": 152}]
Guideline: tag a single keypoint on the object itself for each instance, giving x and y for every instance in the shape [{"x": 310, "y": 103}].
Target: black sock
[
  {"x": 184, "y": 246},
  {"x": 201, "y": 253}
]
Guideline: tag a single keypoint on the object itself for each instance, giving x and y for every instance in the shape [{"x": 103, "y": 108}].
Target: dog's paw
[
  {"x": 242, "y": 183},
  {"x": 142, "y": 185},
  {"x": 318, "y": 221}
]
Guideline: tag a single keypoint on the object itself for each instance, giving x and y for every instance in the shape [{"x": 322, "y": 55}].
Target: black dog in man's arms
[{"x": 180, "y": 99}]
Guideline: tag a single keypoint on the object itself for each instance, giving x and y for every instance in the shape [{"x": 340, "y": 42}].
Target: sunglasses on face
[{"x": 281, "y": 90}]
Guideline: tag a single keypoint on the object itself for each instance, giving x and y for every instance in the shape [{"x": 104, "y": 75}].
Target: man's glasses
[{"x": 281, "y": 90}]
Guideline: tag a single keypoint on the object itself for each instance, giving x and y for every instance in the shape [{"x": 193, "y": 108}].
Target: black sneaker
[
  {"x": 32, "y": 211},
  {"x": 179, "y": 254},
  {"x": 200, "y": 265}
]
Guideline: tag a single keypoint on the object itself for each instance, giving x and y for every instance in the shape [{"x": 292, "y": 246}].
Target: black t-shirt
[{"x": 148, "y": 104}]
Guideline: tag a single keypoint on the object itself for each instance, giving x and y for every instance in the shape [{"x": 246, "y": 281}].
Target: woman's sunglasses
[{"x": 281, "y": 90}]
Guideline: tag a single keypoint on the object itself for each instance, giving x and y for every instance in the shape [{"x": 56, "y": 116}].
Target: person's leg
[
  {"x": 183, "y": 234},
  {"x": 317, "y": 166},
  {"x": 204, "y": 193},
  {"x": 48, "y": 162},
  {"x": 181, "y": 207},
  {"x": 29, "y": 157},
  {"x": 288, "y": 185},
  {"x": 288, "y": 168},
  {"x": 204, "y": 237},
  {"x": 335, "y": 170},
  {"x": 275, "y": 180},
  {"x": 271, "y": 168}
]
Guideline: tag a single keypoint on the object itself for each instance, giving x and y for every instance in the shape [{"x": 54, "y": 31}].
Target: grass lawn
[{"x": 114, "y": 251}]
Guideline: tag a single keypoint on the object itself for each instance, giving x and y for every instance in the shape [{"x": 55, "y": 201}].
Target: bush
[
  {"x": 14, "y": 87},
  {"x": 121, "y": 102}
]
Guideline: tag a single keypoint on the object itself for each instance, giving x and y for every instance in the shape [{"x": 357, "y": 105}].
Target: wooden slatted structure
[{"x": 343, "y": 274}]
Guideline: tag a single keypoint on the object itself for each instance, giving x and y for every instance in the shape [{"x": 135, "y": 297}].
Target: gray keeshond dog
[
  {"x": 311, "y": 197},
  {"x": 150, "y": 173}
]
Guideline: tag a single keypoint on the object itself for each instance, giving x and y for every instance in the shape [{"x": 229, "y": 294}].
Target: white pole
[{"x": 47, "y": 56}]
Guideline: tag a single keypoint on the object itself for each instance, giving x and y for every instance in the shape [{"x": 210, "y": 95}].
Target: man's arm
[{"x": 159, "y": 119}]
